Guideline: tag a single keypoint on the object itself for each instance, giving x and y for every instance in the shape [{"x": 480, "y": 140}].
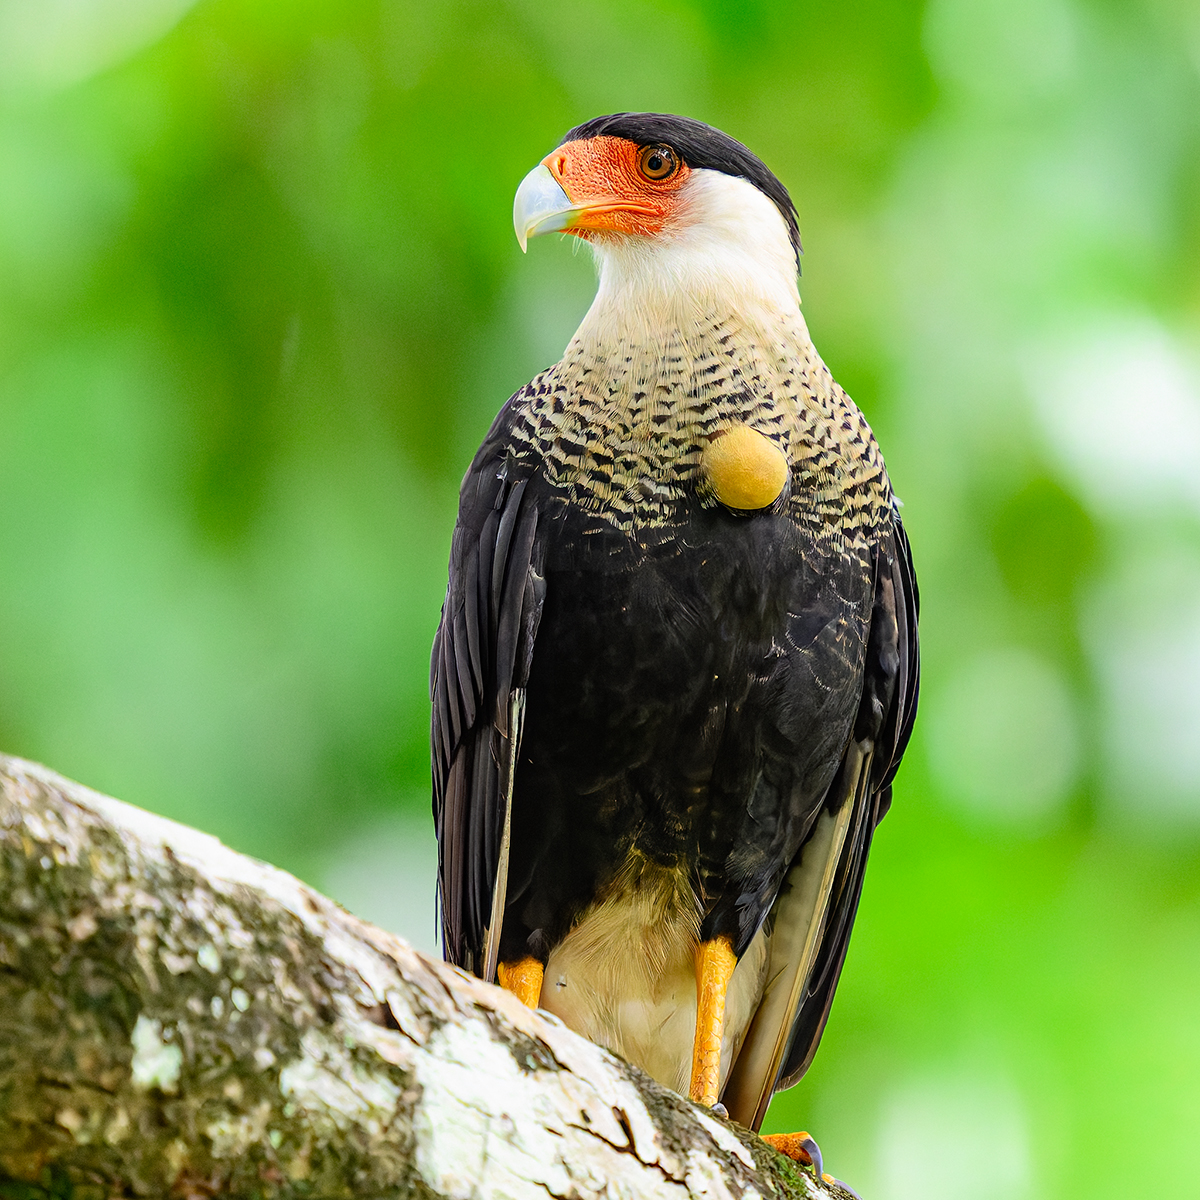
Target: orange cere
[{"x": 601, "y": 177}]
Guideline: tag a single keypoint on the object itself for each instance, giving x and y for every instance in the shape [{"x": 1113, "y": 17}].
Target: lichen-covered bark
[{"x": 179, "y": 1020}]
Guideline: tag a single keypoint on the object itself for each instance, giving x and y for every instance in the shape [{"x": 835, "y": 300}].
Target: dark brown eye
[{"x": 657, "y": 162}]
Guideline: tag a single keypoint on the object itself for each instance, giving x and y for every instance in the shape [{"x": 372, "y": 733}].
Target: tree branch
[{"x": 180, "y": 1020}]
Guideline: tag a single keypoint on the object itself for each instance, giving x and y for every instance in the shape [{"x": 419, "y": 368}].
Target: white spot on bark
[
  {"x": 239, "y": 999},
  {"x": 235, "y": 1135},
  {"x": 70, "y": 1120},
  {"x": 82, "y": 927},
  {"x": 177, "y": 964},
  {"x": 118, "y": 1128},
  {"x": 725, "y": 1139},
  {"x": 208, "y": 958},
  {"x": 327, "y": 1081},
  {"x": 154, "y": 1064}
]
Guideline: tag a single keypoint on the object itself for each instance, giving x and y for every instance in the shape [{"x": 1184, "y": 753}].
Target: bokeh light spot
[
  {"x": 1120, "y": 405},
  {"x": 954, "y": 1138},
  {"x": 1003, "y": 737},
  {"x": 1143, "y": 634},
  {"x": 54, "y": 43}
]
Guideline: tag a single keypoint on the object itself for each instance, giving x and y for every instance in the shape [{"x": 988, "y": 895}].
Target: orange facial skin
[{"x": 603, "y": 177}]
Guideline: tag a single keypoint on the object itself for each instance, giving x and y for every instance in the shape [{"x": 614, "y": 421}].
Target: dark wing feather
[
  {"x": 898, "y": 724},
  {"x": 787, "y": 1029},
  {"x": 479, "y": 669},
  {"x": 886, "y": 715}
]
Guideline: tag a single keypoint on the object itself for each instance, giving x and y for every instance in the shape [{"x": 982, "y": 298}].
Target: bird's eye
[{"x": 657, "y": 162}]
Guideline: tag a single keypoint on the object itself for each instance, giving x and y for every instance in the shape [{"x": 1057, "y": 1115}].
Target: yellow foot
[
  {"x": 714, "y": 966},
  {"x": 799, "y": 1147},
  {"x": 802, "y": 1148},
  {"x": 523, "y": 978}
]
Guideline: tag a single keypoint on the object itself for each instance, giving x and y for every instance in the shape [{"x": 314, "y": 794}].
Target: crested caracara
[{"x": 677, "y": 661}]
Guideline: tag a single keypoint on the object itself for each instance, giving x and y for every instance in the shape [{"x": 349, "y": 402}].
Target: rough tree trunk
[{"x": 180, "y": 1020}]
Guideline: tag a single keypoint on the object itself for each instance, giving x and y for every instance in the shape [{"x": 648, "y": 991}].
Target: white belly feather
[{"x": 625, "y": 975}]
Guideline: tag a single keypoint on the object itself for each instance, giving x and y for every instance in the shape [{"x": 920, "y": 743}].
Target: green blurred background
[{"x": 260, "y": 297}]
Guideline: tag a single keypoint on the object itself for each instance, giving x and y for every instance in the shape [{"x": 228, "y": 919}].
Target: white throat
[{"x": 728, "y": 247}]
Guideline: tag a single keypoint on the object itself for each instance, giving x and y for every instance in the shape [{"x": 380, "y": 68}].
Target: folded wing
[
  {"x": 813, "y": 916},
  {"x": 479, "y": 670}
]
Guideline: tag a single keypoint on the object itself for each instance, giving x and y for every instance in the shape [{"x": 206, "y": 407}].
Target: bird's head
[{"x": 664, "y": 200}]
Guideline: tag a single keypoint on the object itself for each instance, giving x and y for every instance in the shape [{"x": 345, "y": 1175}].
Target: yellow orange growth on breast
[{"x": 744, "y": 468}]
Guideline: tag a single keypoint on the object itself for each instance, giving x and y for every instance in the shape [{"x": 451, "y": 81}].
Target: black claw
[
  {"x": 814, "y": 1152},
  {"x": 845, "y": 1187},
  {"x": 719, "y": 1110}
]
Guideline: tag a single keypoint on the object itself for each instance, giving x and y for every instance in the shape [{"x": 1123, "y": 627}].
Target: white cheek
[{"x": 728, "y": 240}]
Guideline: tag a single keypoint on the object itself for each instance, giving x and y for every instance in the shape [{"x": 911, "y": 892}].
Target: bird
[{"x": 677, "y": 663}]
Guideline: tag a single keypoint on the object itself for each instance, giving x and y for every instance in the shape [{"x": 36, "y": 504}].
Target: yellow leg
[
  {"x": 524, "y": 979},
  {"x": 714, "y": 966}
]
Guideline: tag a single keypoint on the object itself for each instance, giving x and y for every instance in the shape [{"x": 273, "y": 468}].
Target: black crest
[{"x": 698, "y": 145}]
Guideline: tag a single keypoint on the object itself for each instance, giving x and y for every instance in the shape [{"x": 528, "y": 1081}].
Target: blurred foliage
[{"x": 260, "y": 298}]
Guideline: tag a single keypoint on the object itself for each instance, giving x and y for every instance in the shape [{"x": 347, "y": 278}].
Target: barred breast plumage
[{"x": 620, "y": 424}]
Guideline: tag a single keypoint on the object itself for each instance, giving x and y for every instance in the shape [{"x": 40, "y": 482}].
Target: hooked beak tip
[{"x": 540, "y": 206}]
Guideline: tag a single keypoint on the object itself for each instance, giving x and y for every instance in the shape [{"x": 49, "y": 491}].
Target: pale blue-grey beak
[{"x": 540, "y": 205}]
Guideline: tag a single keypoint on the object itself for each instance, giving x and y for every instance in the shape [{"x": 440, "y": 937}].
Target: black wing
[
  {"x": 478, "y": 672},
  {"x": 885, "y": 721},
  {"x": 814, "y": 913}
]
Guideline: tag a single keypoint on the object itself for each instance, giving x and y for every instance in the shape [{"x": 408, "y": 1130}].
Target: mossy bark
[{"x": 180, "y": 1020}]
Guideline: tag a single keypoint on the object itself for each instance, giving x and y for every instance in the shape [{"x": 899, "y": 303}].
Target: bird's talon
[
  {"x": 799, "y": 1147},
  {"x": 845, "y": 1187},
  {"x": 719, "y": 1110}
]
